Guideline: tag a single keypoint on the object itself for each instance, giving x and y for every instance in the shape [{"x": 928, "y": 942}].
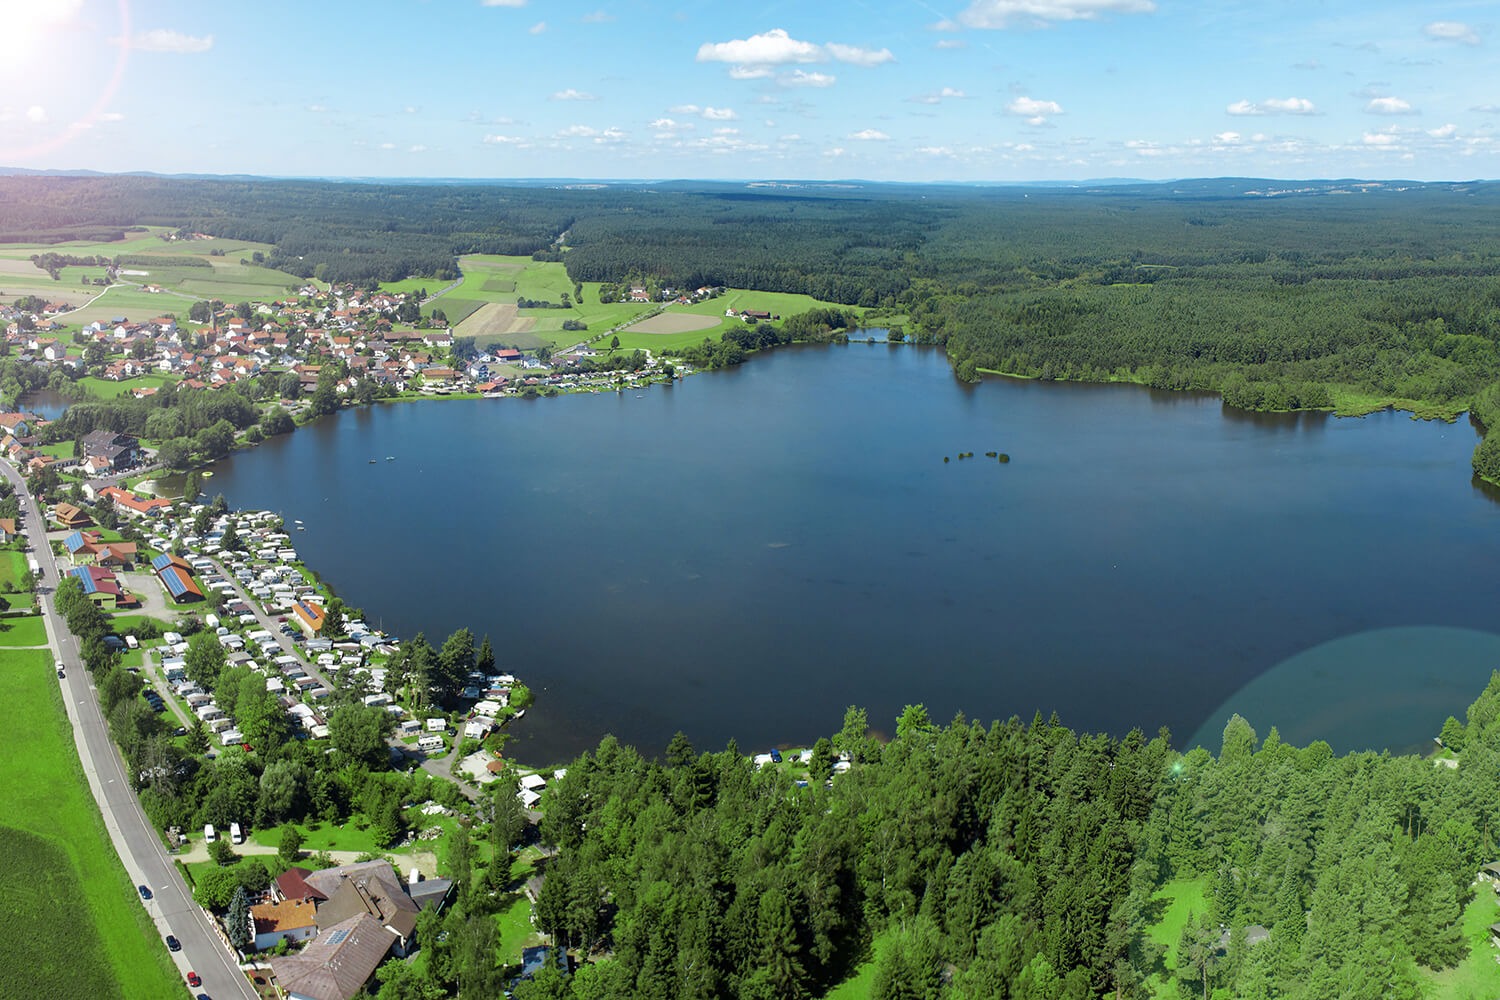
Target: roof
[
  {"x": 178, "y": 583},
  {"x": 309, "y": 614},
  {"x": 370, "y": 887},
  {"x": 96, "y": 580},
  {"x": 130, "y": 501},
  {"x": 283, "y": 916},
  {"x": 161, "y": 562},
  {"x": 292, "y": 884},
  {"x": 336, "y": 963}
]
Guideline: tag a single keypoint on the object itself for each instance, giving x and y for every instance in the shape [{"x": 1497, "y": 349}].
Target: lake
[{"x": 745, "y": 553}]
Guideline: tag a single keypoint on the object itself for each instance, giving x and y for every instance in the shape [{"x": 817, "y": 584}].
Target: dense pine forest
[{"x": 1020, "y": 861}]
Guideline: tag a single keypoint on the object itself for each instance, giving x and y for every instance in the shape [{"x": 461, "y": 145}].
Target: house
[
  {"x": 19, "y": 424},
  {"x": 7, "y": 530},
  {"x": 337, "y": 963},
  {"x": 177, "y": 577},
  {"x": 66, "y": 515},
  {"x": 310, "y": 616},
  {"x": 121, "y": 450},
  {"x": 290, "y": 919},
  {"x": 369, "y": 888},
  {"x": 101, "y": 587},
  {"x": 136, "y": 506}
]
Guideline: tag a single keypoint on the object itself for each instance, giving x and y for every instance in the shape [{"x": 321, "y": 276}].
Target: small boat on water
[{"x": 390, "y": 458}]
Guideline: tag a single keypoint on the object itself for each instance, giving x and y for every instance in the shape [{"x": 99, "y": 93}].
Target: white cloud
[
  {"x": 166, "y": 40},
  {"x": 726, "y": 131},
  {"x": 1447, "y": 131},
  {"x": 36, "y": 114},
  {"x": 774, "y": 47},
  {"x": 858, "y": 56},
  {"x": 597, "y": 17},
  {"x": 1274, "y": 106},
  {"x": 1487, "y": 109},
  {"x": 1382, "y": 140},
  {"x": 950, "y": 43},
  {"x": 1452, "y": 31},
  {"x": 419, "y": 148},
  {"x": 318, "y": 109},
  {"x": 835, "y": 152},
  {"x": 671, "y": 125},
  {"x": 750, "y": 72},
  {"x": 1389, "y": 106},
  {"x": 538, "y": 28},
  {"x": 934, "y": 151},
  {"x": 610, "y": 134},
  {"x": 685, "y": 109},
  {"x": 802, "y": 78},
  {"x": 1034, "y": 111},
  {"x": 387, "y": 145},
  {"x": 504, "y": 140},
  {"x": 719, "y": 114},
  {"x": 1007, "y": 13},
  {"x": 572, "y": 95},
  {"x": 869, "y": 135},
  {"x": 947, "y": 93},
  {"x": 577, "y": 132},
  {"x": 1227, "y": 138}
]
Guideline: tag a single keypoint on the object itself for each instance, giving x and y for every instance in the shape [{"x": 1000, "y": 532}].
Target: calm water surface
[{"x": 746, "y": 553}]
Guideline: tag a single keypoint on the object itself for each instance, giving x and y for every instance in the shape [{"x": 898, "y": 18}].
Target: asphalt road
[{"x": 136, "y": 841}]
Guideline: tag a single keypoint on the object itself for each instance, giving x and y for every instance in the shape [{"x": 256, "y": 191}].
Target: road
[{"x": 136, "y": 841}]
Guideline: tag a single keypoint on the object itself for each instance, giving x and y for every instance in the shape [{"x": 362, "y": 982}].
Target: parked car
[
  {"x": 145, "y": 892},
  {"x": 775, "y": 756},
  {"x": 173, "y": 944},
  {"x": 194, "y": 979}
]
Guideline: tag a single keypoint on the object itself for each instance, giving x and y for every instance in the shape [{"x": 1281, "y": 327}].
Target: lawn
[
  {"x": 1478, "y": 975},
  {"x": 105, "y": 389},
  {"x": 62, "y": 881},
  {"x": 861, "y": 982},
  {"x": 23, "y": 631},
  {"x": 353, "y": 835},
  {"x": 1186, "y": 899},
  {"x": 516, "y": 931},
  {"x": 12, "y": 566}
]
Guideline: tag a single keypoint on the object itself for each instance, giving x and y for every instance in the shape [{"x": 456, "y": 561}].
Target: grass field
[
  {"x": 1185, "y": 898},
  {"x": 12, "y": 566},
  {"x": 105, "y": 389},
  {"x": 1477, "y": 977},
  {"x": 861, "y": 982},
  {"x": 23, "y": 631},
  {"x": 62, "y": 881}
]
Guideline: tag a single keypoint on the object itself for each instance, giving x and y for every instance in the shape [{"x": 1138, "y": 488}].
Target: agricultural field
[
  {"x": 224, "y": 278},
  {"x": 62, "y": 881}
]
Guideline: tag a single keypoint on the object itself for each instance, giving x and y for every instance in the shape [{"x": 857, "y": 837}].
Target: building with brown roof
[
  {"x": 69, "y": 516},
  {"x": 290, "y": 919},
  {"x": 337, "y": 963},
  {"x": 370, "y": 887}
]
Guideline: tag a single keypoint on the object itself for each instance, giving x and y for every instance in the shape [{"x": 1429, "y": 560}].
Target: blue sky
[{"x": 914, "y": 90}]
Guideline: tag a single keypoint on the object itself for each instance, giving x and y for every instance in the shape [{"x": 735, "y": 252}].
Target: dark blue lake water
[{"x": 745, "y": 553}]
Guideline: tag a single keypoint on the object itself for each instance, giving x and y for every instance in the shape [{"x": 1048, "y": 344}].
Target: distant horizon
[
  {"x": 983, "y": 91},
  {"x": 825, "y": 182}
]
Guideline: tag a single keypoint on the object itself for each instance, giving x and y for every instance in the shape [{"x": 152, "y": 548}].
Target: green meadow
[{"x": 74, "y": 924}]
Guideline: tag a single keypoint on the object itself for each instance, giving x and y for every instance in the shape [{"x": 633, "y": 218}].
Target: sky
[{"x": 901, "y": 90}]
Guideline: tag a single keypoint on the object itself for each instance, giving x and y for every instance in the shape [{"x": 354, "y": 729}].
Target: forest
[{"x": 1020, "y": 860}]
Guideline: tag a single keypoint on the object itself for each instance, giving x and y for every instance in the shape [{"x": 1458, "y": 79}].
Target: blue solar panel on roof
[
  {"x": 176, "y": 585},
  {"x": 161, "y": 562},
  {"x": 337, "y": 937},
  {"x": 86, "y": 578}
]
